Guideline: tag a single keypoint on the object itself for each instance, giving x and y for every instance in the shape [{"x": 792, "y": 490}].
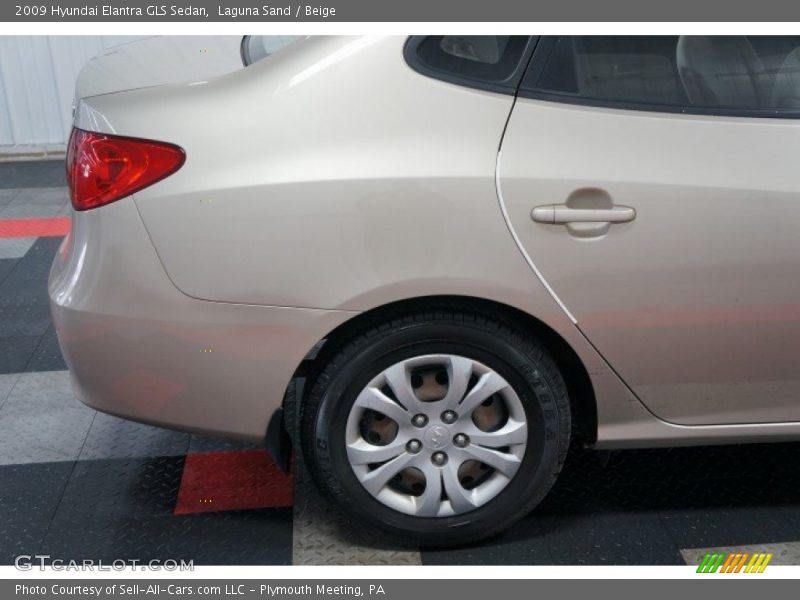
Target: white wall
[{"x": 37, "y": 77}]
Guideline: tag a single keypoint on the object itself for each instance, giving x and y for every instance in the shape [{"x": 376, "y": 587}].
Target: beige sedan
[{"x": 473, "y": 251}]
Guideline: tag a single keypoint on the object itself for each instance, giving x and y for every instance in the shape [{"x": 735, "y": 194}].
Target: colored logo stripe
[
  {"x": 54, "y": 227},
  {"x": 734, "y": 562},
  {"x": 758, "y": 563}
]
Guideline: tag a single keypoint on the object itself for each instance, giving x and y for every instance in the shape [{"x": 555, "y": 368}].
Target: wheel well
[{"x": 579, "y": 385}]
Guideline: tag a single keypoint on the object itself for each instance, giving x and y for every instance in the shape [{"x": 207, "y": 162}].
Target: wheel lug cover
[
  {"x": 449, "y": 416},
  {"x": 439, "y": 458},
  {"x": 414, "y": 446},
  {"x": 419, "y": 420},
  {"x": 461, "y": 440}
]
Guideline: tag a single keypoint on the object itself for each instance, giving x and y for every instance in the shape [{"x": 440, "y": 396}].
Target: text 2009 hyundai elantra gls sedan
[{"x": 475, "y": 251}]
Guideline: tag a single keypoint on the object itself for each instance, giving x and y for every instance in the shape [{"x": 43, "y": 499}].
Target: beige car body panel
[
  {"x": 139, "y": 348},
  {"x": 157, "y": 61},
  {"x": 696, "y": 301},
  {"x": 320, "y": 183}
]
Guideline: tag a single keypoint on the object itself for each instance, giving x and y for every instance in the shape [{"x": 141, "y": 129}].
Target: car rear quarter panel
[
  {"x": 329, "y": 176},
  {"x": 140, "y": 349}
]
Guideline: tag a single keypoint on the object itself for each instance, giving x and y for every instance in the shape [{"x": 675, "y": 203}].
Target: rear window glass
[
  {"x": 709, "y": 72},
  {"x": 258, "y": 47},
  {"x": 491, "y": 58}
]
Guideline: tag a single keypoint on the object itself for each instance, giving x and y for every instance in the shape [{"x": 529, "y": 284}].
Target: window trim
[
  {"x": 542, "y": 53},
  {"x": 509, "y": 85},
  {"x": 244, "y": 50}
]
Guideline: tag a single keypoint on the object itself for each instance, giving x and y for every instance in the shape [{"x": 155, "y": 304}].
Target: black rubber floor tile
[
  {"x": 791, "y": 512},
  {"x": 710, "y": 528},
  {"x": 702, "y": 463},
  {"x": 570, "y": 497},
  {"x": 16, "y": 352},
  {"x": 202, "y": 443},
  {"x": 6, "y": 195},
  {"x": 20, "y": 174},
  {"x": 683, "y": 478},
  {"x": 253, "y": 537},
  {"x": 29, "y": 496},
  {"x": 717, "y": 494},
  {"x": 262, "y": 537},
  {"x": 124, "y": 487},
  {"x": 111, "y": 438},
  {"x": 18, "y": 289},
  {"x": 712, "y": 494},
  {"x": 47, "y": 356},
  {"x": 609, "y": 538},
  {"x": 523, "y": 544},
  {"x": 6, "y": 266},
  {"x": 37, "y": 261},
  {"x": 584, "y": 486},
  {"x": 26, "y": 283},
  {"x": 24, "y": 319}
]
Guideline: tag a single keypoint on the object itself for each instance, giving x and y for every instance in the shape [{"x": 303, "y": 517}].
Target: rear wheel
[{"x": 437, "y": 428}]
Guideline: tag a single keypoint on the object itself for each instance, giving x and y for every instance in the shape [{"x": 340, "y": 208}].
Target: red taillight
[{"x": 104, "y": 168}]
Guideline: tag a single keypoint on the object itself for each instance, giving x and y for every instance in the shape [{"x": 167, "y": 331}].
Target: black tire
[{"x": 498, "y": 342}]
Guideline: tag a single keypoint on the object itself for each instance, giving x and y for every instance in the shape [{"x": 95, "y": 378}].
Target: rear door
[{"x": 655, "y": 183}]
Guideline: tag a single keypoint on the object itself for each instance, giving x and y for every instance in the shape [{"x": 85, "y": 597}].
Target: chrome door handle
[{"x": 556, "y": 214}]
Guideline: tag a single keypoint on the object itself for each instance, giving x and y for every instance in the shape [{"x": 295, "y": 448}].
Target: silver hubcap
[{"x": 436, "y": 435}]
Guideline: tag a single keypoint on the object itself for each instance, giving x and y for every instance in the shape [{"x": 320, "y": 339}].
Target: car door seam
[{"x": 519, "y": 244}]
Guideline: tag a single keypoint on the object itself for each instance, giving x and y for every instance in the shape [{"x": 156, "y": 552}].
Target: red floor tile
[
  {"x": 54, "y": 227},
  {"x": 221, "y": 481}
]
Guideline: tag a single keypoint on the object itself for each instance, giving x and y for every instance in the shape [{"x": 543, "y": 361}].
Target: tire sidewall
[{"x": 536, "y": 385}]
